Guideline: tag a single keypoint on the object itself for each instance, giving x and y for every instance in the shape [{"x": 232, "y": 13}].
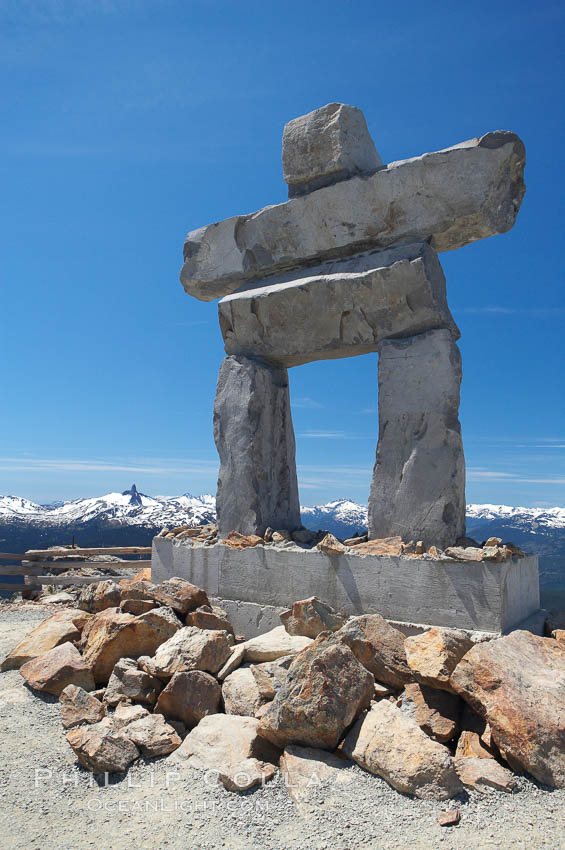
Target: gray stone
[
  {"x": 329, "y": 144},
  {"x": 257, "y": 484},
  {"x": 339, "y": 309},
  {"x": 418, "y": 487},
  {"x": 451, "y": 197}
]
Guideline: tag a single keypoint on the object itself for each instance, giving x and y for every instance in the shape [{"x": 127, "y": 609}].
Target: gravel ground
[{"x": 48, "y": 801}]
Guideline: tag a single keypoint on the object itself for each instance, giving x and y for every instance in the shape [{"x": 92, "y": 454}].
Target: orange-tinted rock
[
  {"x": 129, "y": 682},
  {"x": 189, "y": 649},
  {"x": 137, "y": 590},
  {"x": 143, "y": 575},
  {"x": 436, "y": 712},
  {"x": 382, "y": 546},
  {"x": 189, "y": 697},
  {"x": 241, "y": 694},
  {"x": 137, "y": 606},
  {"x": 330, "y": 545},
  {"x": 484, "y": 775},
  {"x": 559, "y": 636},
  {"x": 98, "y": 596},
  {"x": 152, "y": 735},
  {"x": 517, "y": 683},
  {"x": 471, "y": 745},
  {"x": 208, "y": 618},
  {"x": 79, "y": 707},
  {"x": 180, "y": 595},
  {"x": 101, "y": 749},
  {"x": 379, "y": 647},
  {"x": 309, "y": 617},
  {"x": 52, "y": 671},
  {"x": 62, "y": 627},
  {"x": 235, "y": 540},
  {"x": 434, "y": 655},
  {"x": 326, "y": 689}
]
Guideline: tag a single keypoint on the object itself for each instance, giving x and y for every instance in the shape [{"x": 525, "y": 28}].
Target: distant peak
[{"x": 134, "y": 494}]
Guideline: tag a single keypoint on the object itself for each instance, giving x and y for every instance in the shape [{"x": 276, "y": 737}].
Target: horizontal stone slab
[
  {"x": 475, "y": 596},
  {"x": 339, "y": 309},
  {"x": 450, "y": 198}
]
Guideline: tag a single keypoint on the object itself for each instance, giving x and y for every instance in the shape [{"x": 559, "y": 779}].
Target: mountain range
[{"x": 133, "y": 518}]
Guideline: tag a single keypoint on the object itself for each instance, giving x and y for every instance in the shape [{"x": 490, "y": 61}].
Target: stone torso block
[
  {"x": 418, "y": 488},
  {"x": 340, "y": 309}
]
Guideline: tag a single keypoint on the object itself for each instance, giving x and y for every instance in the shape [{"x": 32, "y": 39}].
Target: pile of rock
[
  {"x": 431, "y": 714},
  {"x": 465, "y": 549}
]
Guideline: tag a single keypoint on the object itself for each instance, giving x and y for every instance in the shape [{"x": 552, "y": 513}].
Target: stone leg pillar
[
  {"x": 257, "y": 485},
  {"x": 418, "y": 487}
]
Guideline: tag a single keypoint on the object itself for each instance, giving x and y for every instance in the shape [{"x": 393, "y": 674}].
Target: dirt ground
[{"x": 48, "y": 801}]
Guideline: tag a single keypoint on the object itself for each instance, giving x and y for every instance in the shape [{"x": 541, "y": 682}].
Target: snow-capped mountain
[
  {"x": 533, "y": 518},
  {"x": 342, "y": 517}
]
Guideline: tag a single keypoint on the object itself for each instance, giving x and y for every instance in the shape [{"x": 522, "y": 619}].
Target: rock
[
  {"x": 436, "y": 712},
  {"x": 559, "y": 636},
  {"x": 449, "y": 198},
  {"x": 126, "y": 713},
  {"x": 206, "y": 618},
  {"x": 383, "y": 546},
  {"x": 355, "y": 541},
  {"x": 274, "y": 644},
  {"x": 138, "y": 589},
  {"x": 113, "y": 635},
  {"x": 418, "y": 486},
  {"x": 434, "y": 655},
  {"x": 493, "y": 541},
  {"x": 235, "y": 540},
  {"x": 484, "y": 775},
  {"x": 62, "y": 598},
  {"x": 53, "y": 670},
  {"x": 470, "y": 745},
  {"x": 153, "y": 736},
  {"x": 326, "y": 689},
  {"x": 330, "y": 545},
  {"x": 517, "y": 683},
  {"x": 249, "y": 773},
  {"x": 62, "y": 627},
  {"x": 189, "y": 697},
  {"x": 257, "y": 484},
  {"x": 101, "y": 749},
  {"x": 554, "y": 620},
  {"x": 241, "y": 693},
  {"x": 381, "y": 691},
  {"x": 143, "y": 575},
  {"x": 460, "y": 553},
  {"x": 270, "y": 676},
  {"x": 180, "y": 595},
  {"x": 304, "y": 769},
  {"x": 281, "y": 536},
  {"x": 225, "y": 743},
  {"x": 329, "y": 144},
  {"x": 303, "y": 535},
  {"x": 78, "y": 707},
  {"x": 236, "y": 658},
  {"x": 379, "y": 647},
  {"x": 493, "y": 553},
  {"x": 414, "y": 764},
  {"x": 309, "y": 617},
  {"x": 350, "y": 305},
  {"x": 450, "y": 818},
  {"x": 189, "y": 649},
  {"x": 99, "y": 596},
  {"x": 137, "y": 606},
  {"x": 129, "y": 682}
]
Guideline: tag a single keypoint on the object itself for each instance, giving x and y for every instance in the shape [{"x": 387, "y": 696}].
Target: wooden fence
[{"x": 35, "y": 562}]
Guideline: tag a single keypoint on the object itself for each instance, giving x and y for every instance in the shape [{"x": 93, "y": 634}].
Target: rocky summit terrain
[{"x": 135, "y": 716}]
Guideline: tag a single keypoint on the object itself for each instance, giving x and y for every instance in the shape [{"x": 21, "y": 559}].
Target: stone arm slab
[
  {"x": 339, "y": 309},
  {"x": 450, "y": 198}
]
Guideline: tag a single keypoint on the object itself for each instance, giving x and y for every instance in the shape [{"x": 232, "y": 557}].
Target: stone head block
[{"x": 327, "y": 145}]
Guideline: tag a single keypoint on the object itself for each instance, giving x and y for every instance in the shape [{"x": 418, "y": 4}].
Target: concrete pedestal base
[{"x": 482, "y": 597}]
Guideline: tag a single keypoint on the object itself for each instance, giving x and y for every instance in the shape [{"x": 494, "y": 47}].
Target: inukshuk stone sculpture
[{"x": 348, "y": 266}]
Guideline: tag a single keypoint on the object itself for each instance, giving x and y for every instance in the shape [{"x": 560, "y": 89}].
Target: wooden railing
[{"x": 35, "y": 562}]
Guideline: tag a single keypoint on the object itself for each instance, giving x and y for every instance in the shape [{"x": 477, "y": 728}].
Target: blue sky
[{"x": 126, "y": 124}]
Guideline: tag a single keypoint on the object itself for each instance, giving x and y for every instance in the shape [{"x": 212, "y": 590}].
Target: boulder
[
  {"x": 379, "y": 647},
  {"x": 436, "y": 712},
  {"x": 434, "y": 655},
  {"x": 53, "y": 670},
  {"x": 231, "y": 746},
  {"x": 484, "y": 775},
  {"x": 449, "y": 198},
  {"x": 113, "y": 635},
  {"x": 236, "y": 657},
  {"x": 189, "y": 697},
  {"x": 138, "y": 589},
  {"x": 559, "y": 636},
  {"x": 391, "y": 745},
  {"x": 101, "y": 749},
  {"x": 257, "y": 484},
  {"x": 470, "y": 745},
  {"x": 79, "y": 707},
  {"x": 517, "y": 684},
  {"x": 206, "y": 617},
  {"x": 338, "y": 309},
  {"x": 129, "y": 682},
  {"x": 127, "y": 713},
  {"x": 274, "y": 644},
  {"x": 189, "y": 649},
  {"x": 180, "y": 595},
  {"x": 99, "y": 596},
  {"x": 325, "y": 146},
  {"x": 326, "y": 690},
  {"x": 235, "y": 540},
  {"x": 311, "y": 616},
  {"x": 330, "y": 545},
  {"x": 152, "y": 736},
  {"x": 137, "y": 606},
  {"x": 381, "y": 546},
  {"x": 304, "y": 769},
  {"x": 241, "y": 693},
  {"x": 271, "y": 675},
  {"x": 62, "y": 627}
]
